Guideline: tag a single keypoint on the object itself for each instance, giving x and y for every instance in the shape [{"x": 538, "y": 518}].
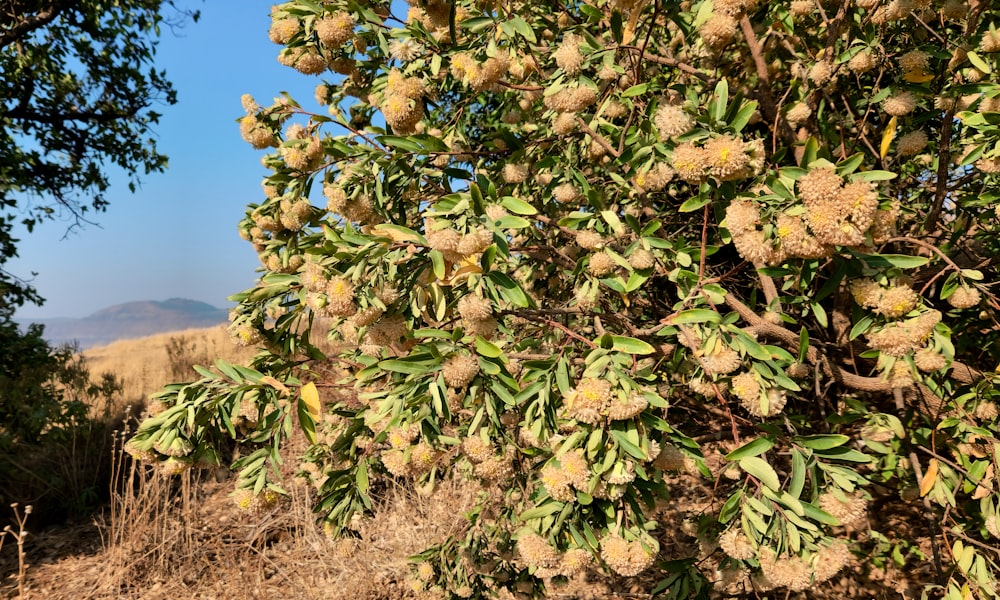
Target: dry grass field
[{"x": 144, "y": 365}]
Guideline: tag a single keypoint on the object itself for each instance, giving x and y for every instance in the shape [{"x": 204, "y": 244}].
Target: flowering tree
[{"x": 582, "y": 252}]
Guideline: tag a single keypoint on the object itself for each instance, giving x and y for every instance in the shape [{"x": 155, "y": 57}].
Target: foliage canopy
[
  {"x": 578, "y": 250},
  {"x": 77, "y": 94}
]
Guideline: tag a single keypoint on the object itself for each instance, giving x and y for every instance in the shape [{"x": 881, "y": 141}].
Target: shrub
[
  {"x": 54, "y": 436},
  {"x": 579, "y": 251}
]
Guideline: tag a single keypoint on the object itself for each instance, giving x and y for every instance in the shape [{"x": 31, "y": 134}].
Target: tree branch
[
  {"x": 767, "y": 103},
  {"x": 960, "y": 372},
  {"x": 944, "y": 162},
  {"x": 27, "y": 25}
]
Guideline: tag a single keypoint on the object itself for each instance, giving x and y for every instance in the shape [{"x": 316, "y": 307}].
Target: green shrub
[{"x": 582, "y": 252}]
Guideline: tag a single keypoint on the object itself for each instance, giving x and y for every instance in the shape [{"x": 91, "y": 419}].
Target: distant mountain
[{"x": 131, "y": 320}]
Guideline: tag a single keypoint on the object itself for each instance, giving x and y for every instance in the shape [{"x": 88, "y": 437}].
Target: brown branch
[
  {"x": 670, "y": 62},
  {"x": 27, "y": 25},
  {"x": 525, "y": 88},
  {"x": 88, "y": 116},
  {"x": 600, "y": 139},
  {"x": 944, "y": 161},
  {"x": 767, "y": 103},
  {"x": 926, "y": 246},
  {"x": 960, "y": 372},
  {"x": 770, "y": 290},
  {"x": 897, "y": 394}
]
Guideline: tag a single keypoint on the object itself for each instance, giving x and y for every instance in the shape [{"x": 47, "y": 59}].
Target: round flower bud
[
  {"x": 912, "y": 143},
  {"x": 929, "y": 360},
  {"x": 335, "y": 29},
  {"x": 745, "y": 387},
  {"x": 964, "y": 297},
  {"x": 766, "y": 405},
  {"x": 475, "y": 308},
  {"x": 589, "y": 240},
  {"x": 628, "y": 559},
  {"x": 900, "y": 104},
  {"x": 536, "y": 551},
  {"x": 849, "y": 509},
  {"x": 799, "y": 113},
  {"x": 862, "y": 62},
  {"x": 642, "y": 259},
  {"x": 460, "y": 370},
  {"x": 718, "y": 31},
  {"x": 736, "y": 544},
  {"x": 672, "y": 121},
  {"x": 601, "y": 264}
]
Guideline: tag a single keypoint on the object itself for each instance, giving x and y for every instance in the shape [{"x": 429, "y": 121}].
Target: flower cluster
[
  {"x": 627, "y": 558},
  {"x": 899, "y": 338},
  {"x": 846, "y": 508},
  {"x": 589, "y": 401},
  {"x": 402, "y": 104},
  {"x": 892, "y": 302},
  {"x": 724, "y": 158},
  {"x": 477, "y": 316}
]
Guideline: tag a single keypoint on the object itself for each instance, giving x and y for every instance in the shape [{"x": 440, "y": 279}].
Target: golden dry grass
[{"x": 144, "y": 365}]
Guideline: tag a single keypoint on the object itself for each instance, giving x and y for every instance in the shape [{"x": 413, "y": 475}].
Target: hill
[{"x": 132, "y": 320}]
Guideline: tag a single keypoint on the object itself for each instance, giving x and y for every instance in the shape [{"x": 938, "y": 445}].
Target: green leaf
[
  {"x": 763, "y": 472},
  {"x": 730, "y": 508},
  {"x": 873, "y": 176},
  {"x": 850, "y": 164},
  {"x": 630, "y": 345},
  {"x": 721, "y": 100},
  {"x": 786, "y": 382},
  {"x": 754, "y": 448},
  {"x": 403, "y": 366},
  {"x": 627, "y": 445},
  {"x": 521, "y": 26},
  {"x": 803, "y": 344},
  {"x": 978, "y": 62},
  {"x": 437, "y": 263},
  {"x": 743, "y": 116},
  {"x": 818, "y": 515},
  {"x": 822, "y": 441},
  {"x": 509, "y": 289},
  {"x": 487, "y": 349},
  {"x": 694, "y": 203},
  {"x": 361, "y": 478},
  {"x": 820, "y": 313},
  {"x": 695, "y": 315},
  {"x": 540, "y": 512},
  {"x": 512, "y": 222},
  {"x": 810, "y": 151},
  {"x": 844, "y": 454},
  {"x": 861, "y": 326},
  {"x": 798, "y": 474},
  {"x": 636, "y": 90},
  {"x": 402, "y": 143},
  {"x": 518, "y": 206},
  {"x": 885, "y": 261},
  {"x": 613, "y": 221}
]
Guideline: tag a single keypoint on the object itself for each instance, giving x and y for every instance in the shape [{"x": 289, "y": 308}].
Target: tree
[
  {"x": 579, "y": 250},
  {"x": 78, "y": 90},
  {"x": 78, "y": 93}
]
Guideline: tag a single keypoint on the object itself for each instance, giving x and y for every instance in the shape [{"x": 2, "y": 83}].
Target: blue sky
[{"x": 176, "y": 236}]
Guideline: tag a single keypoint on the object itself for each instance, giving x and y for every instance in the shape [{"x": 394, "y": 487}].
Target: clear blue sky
[{"x": 177, "y": 236}]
